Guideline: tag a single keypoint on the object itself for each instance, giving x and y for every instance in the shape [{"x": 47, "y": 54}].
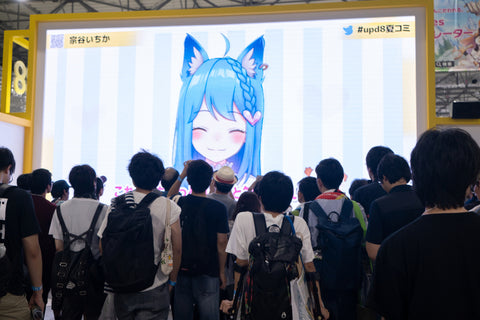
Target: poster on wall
[{"x": 457, "y": 35}]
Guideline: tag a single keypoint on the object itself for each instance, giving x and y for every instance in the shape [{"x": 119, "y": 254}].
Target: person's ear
[{"x": 320, "y": 184}]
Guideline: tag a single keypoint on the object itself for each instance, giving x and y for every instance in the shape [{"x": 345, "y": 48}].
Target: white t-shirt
[
  {"x": 243, "y": 233},
  {"x": 78, "y": 215},
  {"x": 158, "y": 211}
]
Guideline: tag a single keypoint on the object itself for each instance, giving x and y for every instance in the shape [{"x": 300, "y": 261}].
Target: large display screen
[{"x": 280, "y": 93}]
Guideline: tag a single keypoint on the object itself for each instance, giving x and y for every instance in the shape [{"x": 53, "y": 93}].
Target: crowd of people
[{"x": 392, "y": 249}]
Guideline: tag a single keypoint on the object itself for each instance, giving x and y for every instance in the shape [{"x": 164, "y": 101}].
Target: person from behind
[
  {"x": 357, "y": 183},
  {"x": 99, "y": 188},
  {"x": 307, "y": 191},
  {"x": 24, "y": 181},
  {"x": 44, "y": 210},
  {"x": 18, "y": 241},
  {"x": 224, "y": 180},
  {"x": 60, "y": 192},
  {"x": 77, "y": 221},
  {"x": 429, "y": 268},
  {"x": 168, "y": 179},
  {"x": 398, "y": 208},
  {"x": 248, "y": 201},
  {"x": 204, "y": 238},
  {"x": 366, "y": 194},
  {"x": 337, "y": 226},
  {"x": 275, "y": 193},
  {"x": 149, "y": 299}
]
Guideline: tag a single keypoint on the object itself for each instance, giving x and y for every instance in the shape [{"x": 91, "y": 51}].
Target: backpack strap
[
  {"x": 287, "y": 225},
  {"x": 3, "y": 188},
  {"x": 260, "y": 223},
  {"x": 148, "y": 199},
  {"x": 66, "y": 234},
  {"x": 318, "y": 211},
  {"x": 69, "y": 237},
  {"x": 306, "y": 211},
  {"x": 347, "y": 208},
  {"x": 88, "y": 240}
]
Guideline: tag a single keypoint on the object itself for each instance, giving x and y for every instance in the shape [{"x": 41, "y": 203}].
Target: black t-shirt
[
  {"x": 391, "y": 212},
  {"x": 365, "y": 195},
  {"x": 430, "y": 269},
  {"x": 20, "y": 222},
  {"x": 215, "y": 214}
]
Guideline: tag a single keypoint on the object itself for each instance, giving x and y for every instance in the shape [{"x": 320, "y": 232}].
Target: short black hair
[
  {"x": 444, "y": 164},
  {"x": 309, "y": 188},
  {"x": 275, "y": 191},
  {"x": 248, "y": 201},
  {"x": 24, "y": 181},
  {"x": 169, "y": 177},
  {"x": 82, "y": 179},
  {"x": 146, "y": 170},
  {"x": 374, "y": 156},
  {"x": 41, "y": 179},
  {"x": 223, "y": 187},
  {"x": 58, "y": 187},
  {"x": 394, "y": 168},
  {"x": 330, "y": 171},
  {"x": 357, "y": 183},
  {"x": 7, "y": 159},
  {"x": 199, "y": 175},
  {"x": 99, "y": 187}
]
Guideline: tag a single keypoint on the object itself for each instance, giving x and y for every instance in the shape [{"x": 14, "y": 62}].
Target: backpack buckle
[
  {"x": 63, "y": 264},
  {"x": 82, "y": 293}
]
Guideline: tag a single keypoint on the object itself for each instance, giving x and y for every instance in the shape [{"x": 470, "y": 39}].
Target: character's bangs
[{"x": 220, "y": 90}]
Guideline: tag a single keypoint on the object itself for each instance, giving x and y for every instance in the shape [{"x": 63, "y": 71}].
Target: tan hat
[{"x": 225, "y": 175}]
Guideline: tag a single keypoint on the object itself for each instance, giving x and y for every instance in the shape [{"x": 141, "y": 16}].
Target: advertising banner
[{"x": 457, "y": 35}]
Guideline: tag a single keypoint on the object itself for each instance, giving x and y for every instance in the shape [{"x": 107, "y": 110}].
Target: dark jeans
[
  {"x": 342, "y": 305},
  {"x": 202, "y": 291},
  {"x": 149, "y": 305},
  {"x": 89, "y": 306}
]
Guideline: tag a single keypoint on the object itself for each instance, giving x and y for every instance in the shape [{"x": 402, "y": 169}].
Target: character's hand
[
  {"x": 308, "y": 171},
  {"x": 226, "y": 305}
]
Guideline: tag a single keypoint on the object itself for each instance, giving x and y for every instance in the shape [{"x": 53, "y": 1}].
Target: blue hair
[{"x": 221, "y": 82}]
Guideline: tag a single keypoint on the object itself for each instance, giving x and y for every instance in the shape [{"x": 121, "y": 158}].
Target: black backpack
[
  {"x": 127, "y": 245},
  {"x": 5, "y": 264},
  {"x": 340, "y": 244},
  {"x": 273, "y": 257},
  {"x": 71, "y": 272}
]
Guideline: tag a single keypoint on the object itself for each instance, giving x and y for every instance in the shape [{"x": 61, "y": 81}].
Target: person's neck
[
  {"x": 43, "y": 195},
  {"x": 400, "y": 182},
  {"x": 200, "y": 194},
  {"x": 436, "y": 210},
  {"x": 274, "y": 214},
  {"x": 142, "y": 190},
  {"x": 218, "y": 192}
]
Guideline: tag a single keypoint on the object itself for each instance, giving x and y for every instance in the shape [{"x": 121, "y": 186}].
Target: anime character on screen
[{"x": 220, "y": 110}]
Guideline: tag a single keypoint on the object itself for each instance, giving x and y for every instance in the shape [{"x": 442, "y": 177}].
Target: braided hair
[{"x": 221, "y": 83}]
